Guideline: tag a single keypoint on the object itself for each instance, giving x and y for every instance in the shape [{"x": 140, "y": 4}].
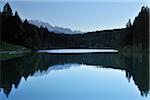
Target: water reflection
[{"x": 136, "y": 66}]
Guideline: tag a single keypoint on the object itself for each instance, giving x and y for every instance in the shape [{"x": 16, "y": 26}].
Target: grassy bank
[
  {"x": 11, "y": 47},
  {"x": 9, "y": 51}
]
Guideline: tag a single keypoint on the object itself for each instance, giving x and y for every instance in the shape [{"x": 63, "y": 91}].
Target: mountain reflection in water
[{"x": 135, "y": 66}]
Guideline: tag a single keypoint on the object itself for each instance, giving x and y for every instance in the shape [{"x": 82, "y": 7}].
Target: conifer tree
[
  {"x": 17, "y": 17},
  {"x": 129, "y": 24},
  {"x": 7, "y": 10}
]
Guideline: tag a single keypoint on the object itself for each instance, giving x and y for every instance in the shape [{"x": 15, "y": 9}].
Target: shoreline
[{"x": 14, "y": 52}]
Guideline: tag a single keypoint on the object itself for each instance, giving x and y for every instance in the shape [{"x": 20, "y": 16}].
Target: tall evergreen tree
[
  {"x": 7, "y": 10},
  {"x": 26, "y": 22},
  {"x": 17, "y": 17},
  {"x": 128, "y": 25}
]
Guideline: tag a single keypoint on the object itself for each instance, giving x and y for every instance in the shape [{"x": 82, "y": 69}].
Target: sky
[{"x": 83, "y": 15}]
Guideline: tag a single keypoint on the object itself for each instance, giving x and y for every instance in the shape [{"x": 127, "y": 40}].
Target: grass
[
  {"x": 9, "y": 48},
  {"x": 4, "y": 57}
]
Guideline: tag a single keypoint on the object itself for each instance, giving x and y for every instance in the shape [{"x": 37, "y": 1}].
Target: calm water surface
[
  {"x": 101, "y": 76},
  {"x": 79, "y": 51}
]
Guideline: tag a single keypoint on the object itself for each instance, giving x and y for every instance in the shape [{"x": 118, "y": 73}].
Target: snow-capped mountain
[{"x": 55, "y": 29}]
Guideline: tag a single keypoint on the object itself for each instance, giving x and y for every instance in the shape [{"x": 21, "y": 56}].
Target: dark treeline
[
  {"x": 140, "y": 29},
  {"x": 16, "y": 31}
]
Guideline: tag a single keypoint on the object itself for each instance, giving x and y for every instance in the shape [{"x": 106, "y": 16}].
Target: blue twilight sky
[{"x": 84, "y": 15}]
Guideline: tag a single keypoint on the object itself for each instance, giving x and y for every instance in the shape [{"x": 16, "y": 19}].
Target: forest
[
  {"x": 131, "y": 41},
  {"x": 14, "y": 30}
]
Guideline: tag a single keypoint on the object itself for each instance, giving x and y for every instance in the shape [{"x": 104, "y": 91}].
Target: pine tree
[
  {"x": 7, "y": 10},
  {"x": 26, "y": 22},
  {"x": 17, "y": 17},
  {"x": 128, "y": 25}
]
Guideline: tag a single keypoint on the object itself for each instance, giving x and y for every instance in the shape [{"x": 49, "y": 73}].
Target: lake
[
  {"x": 84, "y": 76},
  {"x": 71, "y": 51}
]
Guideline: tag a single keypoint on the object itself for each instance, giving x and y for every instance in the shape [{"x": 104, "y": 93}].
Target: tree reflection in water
[{"x": 135, "y": 66}]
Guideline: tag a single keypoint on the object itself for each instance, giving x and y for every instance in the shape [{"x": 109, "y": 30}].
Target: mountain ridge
[{"x": 55, "y": 29}]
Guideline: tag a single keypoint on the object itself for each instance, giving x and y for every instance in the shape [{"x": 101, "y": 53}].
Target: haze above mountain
[{"x": 55, "y": 29}]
